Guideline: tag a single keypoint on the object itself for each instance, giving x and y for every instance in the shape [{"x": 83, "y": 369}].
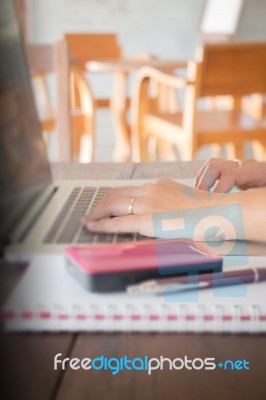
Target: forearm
[
  {"x": 247, "y": 212},
  {"x": 254, "y": 213}
]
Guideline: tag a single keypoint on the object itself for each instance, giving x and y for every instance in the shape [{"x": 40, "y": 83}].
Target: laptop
[{"x": 37, "y": 215}]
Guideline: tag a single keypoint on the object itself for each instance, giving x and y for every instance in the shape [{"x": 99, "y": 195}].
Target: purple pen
[{"x": 201, "y": 281}]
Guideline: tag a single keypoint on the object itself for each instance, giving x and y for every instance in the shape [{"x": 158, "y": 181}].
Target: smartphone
[{"x": 113, "y": 267}]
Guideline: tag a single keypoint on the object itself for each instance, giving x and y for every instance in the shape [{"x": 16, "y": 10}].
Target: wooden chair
[
  {"x": 83, "y": 117},
  {"x": 234, "y": 69},
  {"x": 45, "y": 60},
  {"x": 84, "y": 47},
  {"x": 71, "y": 114}
]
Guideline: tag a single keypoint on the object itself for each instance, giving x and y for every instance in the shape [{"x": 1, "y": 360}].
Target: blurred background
[{"x": 168, "y": 29}]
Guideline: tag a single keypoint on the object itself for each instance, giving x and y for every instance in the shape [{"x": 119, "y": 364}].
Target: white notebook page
[{"x": 48, "y": 299}]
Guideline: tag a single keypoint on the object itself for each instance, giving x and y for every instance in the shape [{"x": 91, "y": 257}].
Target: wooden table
[
  {"x": 121, "y": 70},
  {"x": 27, "y": 359}
]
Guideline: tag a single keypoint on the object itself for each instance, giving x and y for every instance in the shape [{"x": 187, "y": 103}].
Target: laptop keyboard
[{"x": 67, "y": 227}]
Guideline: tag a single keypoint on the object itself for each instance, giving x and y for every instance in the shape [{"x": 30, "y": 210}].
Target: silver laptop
[{"x": 37, "y": 215}]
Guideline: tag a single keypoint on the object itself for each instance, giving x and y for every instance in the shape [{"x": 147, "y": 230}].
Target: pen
[{"x": 202, "y": 281}]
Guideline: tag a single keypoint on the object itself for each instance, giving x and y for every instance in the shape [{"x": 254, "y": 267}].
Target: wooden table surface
[
  {"x": 27, "y": 359},
  {"x": 132, "y": 64}
]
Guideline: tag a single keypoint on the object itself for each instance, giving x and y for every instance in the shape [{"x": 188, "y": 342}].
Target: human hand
[
  {"x": 251, "y": 174},
  {"x": 163, "y": 195}
]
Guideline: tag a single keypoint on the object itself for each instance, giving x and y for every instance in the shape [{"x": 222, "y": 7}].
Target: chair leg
[
  {"x": 140, "y": 143},
  {"x": 83, "y": 138},
  {"x": 239, "y": 150},
  {"x": 144, "y": 148},
  {"x": 83, "y": 108},
  {"x": 76, "y": 137},
  {"x": 86, "y": 149}
]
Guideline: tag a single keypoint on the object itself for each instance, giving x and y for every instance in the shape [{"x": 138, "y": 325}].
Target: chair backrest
[
  {"x": 88, "y": 46},
  {"x": 235, "y": 69},
  {"x": 45, "y": 60}
]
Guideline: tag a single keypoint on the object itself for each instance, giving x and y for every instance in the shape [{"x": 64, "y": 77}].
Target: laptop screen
[{"x": 24, "y": 167}]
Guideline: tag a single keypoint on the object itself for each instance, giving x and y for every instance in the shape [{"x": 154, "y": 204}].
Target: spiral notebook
[{"x": 48, "y": 299}]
